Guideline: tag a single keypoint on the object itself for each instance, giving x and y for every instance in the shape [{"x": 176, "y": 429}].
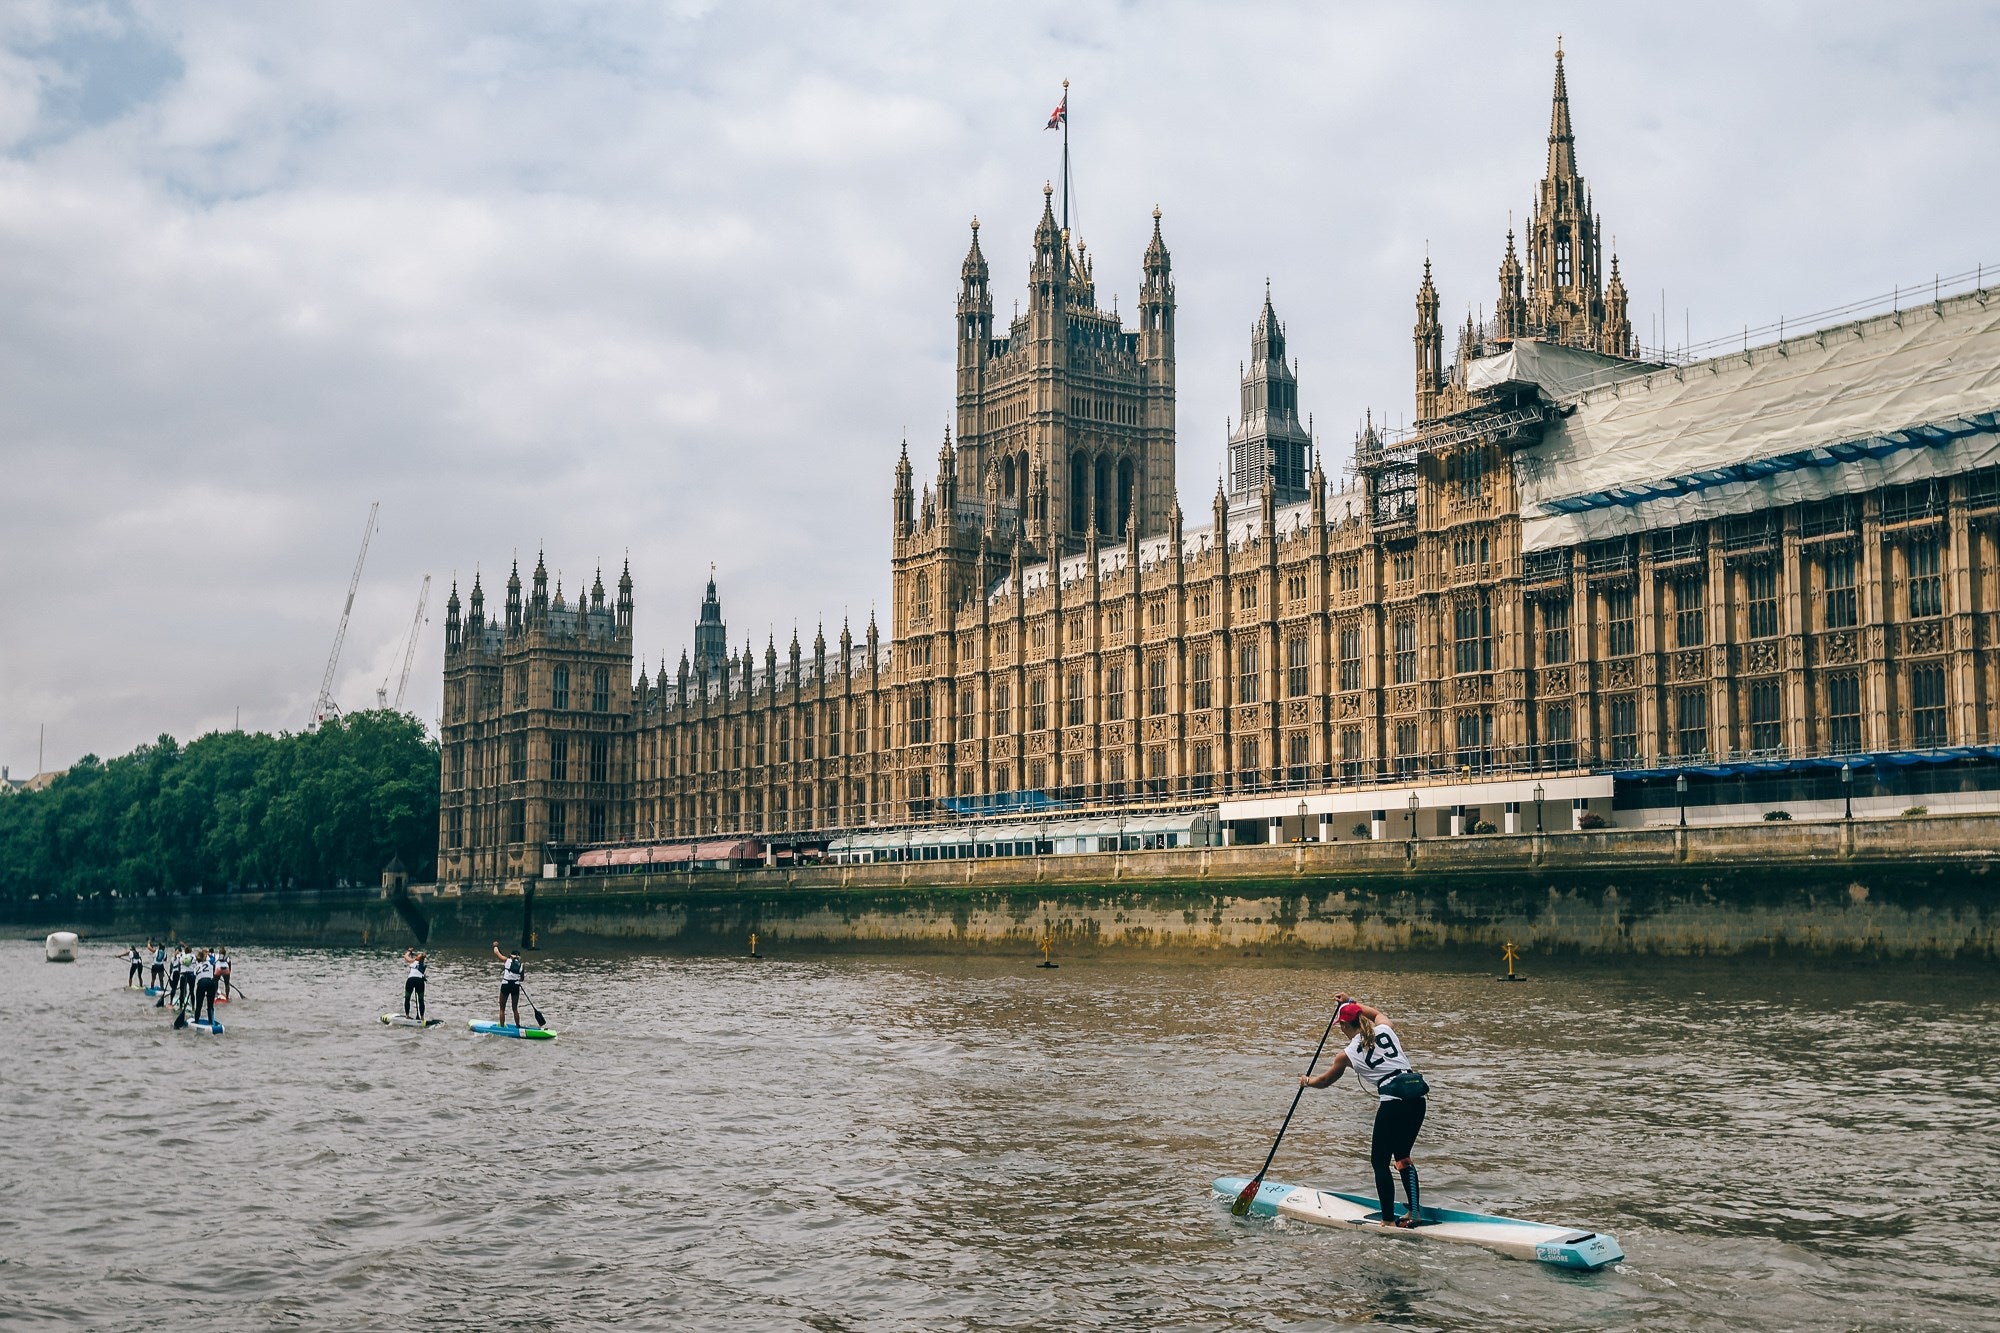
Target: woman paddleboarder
[
  {"x": 510, "y": 983},
  {"x": 413, "y": 981},
  {"x": 1378, "y": 1059}
]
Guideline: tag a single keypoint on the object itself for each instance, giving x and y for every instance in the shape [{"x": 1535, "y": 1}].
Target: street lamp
[
  {"x": 1681, "y": 796},
  {"x": 1302, "y": 821},
  {"x": 1847, "y": 789},
  {"x": 1538, "y": 807},
  {"x": 1414, "y": 835}
]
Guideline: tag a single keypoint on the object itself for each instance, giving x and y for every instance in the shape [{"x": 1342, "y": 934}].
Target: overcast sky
[{"x": 674, "y": 279}]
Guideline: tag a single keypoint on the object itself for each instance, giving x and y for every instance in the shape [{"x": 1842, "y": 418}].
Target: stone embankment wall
[{"x": 1911, "y": 888}]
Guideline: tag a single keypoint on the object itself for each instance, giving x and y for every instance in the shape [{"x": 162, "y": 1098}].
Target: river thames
[{"x": 846, "y": 1142}]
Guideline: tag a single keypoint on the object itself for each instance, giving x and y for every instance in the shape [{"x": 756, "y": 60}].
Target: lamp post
[
  {"x": 1847, "y": 790},
  {"x": 1302, "y": 821},
  {"x": 1538, "y": 807},
  {"x": 1415, "y": 836},
  {"x": 1681, "y": 796}
]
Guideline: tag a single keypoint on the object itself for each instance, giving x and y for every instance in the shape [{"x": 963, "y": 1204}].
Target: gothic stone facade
[{"x": 1058, "y": 629}]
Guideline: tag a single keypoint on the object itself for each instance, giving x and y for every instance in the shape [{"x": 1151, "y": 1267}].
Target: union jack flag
[{"x": 1060, "y": 114}]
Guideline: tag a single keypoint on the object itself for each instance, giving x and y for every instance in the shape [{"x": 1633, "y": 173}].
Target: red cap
[{"x": 1348, "y": 1013}]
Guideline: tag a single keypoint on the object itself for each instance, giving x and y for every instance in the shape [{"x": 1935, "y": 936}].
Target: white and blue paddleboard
[
  {"x": 510, "y": 1030},
  {"x": 402, "y": 1021},
  {"x": 209, "y": 1026},
  {"x": 1564, "y": 1247}
]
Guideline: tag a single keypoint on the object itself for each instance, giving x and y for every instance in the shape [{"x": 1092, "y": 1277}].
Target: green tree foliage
[{"x": 231, "y": 812}]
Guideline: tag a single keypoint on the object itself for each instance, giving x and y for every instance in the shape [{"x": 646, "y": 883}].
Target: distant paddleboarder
[
  {"x": 159, "y": 964},
  {"x": 511, "y": 973},
  {"x": 1376, "y": 1055},
  {"x": 204, "y": 983},
  {"x": 135, "y": 976},
  {"x": 413, "y": 984}
]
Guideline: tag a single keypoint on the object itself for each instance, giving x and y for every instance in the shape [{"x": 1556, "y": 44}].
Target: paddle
[
  {"x": 540, "y": 1022},
  {"x": 1242, "y": 1204}
]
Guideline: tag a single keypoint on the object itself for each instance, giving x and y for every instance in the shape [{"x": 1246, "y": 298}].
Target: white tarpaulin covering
[
  {"x": 1878, "y": 402},
  {"x": 1558, "y": 371}
]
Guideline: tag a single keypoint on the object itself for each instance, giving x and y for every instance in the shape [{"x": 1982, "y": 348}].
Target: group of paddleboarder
[
  {"x": 417, "y": 972},
  {"x": 191, "y": 979}
]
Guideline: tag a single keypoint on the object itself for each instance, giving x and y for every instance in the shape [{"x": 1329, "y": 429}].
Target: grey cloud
[{"x": 677, "y": 280}]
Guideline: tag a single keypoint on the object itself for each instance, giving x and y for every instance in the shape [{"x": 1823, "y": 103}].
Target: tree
[{"x": 231, "y": 811}]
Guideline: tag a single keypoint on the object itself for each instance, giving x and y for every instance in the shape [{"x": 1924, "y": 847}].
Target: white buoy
[{"x": 60, "y": 948}]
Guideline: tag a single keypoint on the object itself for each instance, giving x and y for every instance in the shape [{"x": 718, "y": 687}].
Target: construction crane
[
  {"x": 324, "y": 707},
  {"x": 409, "y": 652}
]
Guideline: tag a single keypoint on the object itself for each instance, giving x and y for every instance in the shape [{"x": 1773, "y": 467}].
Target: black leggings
[
  {"x": 413, "y": 986},
  {"x": 204, "y": 995},
  {"x": 138, "y": 973},
  {"x": 1396, "y": 1126}
]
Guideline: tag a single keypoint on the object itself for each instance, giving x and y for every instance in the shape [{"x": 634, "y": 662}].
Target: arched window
[
  {"x": 1079, "y": 492},
  {"x": 1125, "y": 479},
  {"x": 1105, "y": 516},
  {"x": 1007, "y": 479},
  {"x": 1564, "y": 268},
  {"x": 923, "y": 595}
]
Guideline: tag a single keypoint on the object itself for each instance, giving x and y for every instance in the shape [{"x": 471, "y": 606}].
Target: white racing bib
[{"x": 1379, "y": 1059}]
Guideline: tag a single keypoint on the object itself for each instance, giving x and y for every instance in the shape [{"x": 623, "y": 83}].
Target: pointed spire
[
  {"x": 1267, "y": 337},
  {"x": 1049, "y": 247},
  {"x": 974, "y": 268},
  {"x": 1156, "y": 249},
  {"x": 1562, "y": 139}
]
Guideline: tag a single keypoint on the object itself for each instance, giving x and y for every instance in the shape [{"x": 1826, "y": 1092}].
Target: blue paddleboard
[
  {"x": 510, "y": 1030},
  {"x": 1564, "y": 1247},
  {"x": 206, "y": 1025}
]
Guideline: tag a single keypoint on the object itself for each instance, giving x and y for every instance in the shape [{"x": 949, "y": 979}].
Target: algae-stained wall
[{"x": 1883, "y": 909}]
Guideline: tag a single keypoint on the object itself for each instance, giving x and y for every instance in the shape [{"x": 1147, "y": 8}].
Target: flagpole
[{"x": 1065, "y": 171}]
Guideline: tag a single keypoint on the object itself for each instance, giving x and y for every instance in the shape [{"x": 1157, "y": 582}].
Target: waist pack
[{"x": 1407, "y": 1086}]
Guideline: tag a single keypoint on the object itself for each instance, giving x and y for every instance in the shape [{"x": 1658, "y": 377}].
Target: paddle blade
[
  {"x": 540, "y": 1022},
  {"x": 1241, "y": 1207}
]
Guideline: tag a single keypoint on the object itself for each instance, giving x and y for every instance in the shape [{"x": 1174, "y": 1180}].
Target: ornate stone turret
[
  {"x": 514, "y": 618},
  {"x": 905, "y": 498},
  {"x": 625, "y": 598},
  {"x": 478, "y": 607},
  {"x": 1565, "y": 297},
  {"x": 1429, "y": 337},
  {"x": 1510, "y": 314},
  {"x": 1271, "y": 442},
  {"x": 711, "y": 635},
  {"x": 1616, "y": 340}
]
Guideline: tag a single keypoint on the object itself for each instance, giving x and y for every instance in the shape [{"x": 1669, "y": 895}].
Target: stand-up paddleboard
[
  {"x": 510, "y": 1030},
  {"x": 156, "y": 990},
  {"x": 399, "y": 1021},
  {"x": 1564, "y": 1247},
  {"x": 208, "y": 1026}
]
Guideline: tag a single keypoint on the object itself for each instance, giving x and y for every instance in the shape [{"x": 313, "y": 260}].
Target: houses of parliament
[{"x": 1583, "y": 556}]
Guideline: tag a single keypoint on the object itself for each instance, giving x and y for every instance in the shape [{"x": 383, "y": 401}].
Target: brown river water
[{"x": 897, "y": 1142}]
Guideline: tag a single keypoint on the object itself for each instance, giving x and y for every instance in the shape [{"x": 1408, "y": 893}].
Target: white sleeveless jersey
[
  {"x": 1378, "y": 1060},
  {"x": 204, "y": 970},
  {"x": 416, "y": 972}
]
